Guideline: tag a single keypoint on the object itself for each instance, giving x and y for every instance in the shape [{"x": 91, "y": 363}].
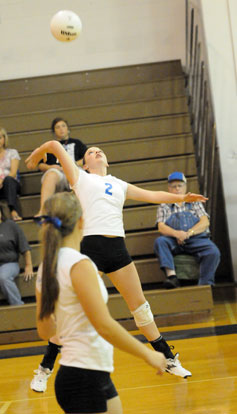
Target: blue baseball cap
[{"x": 177, "y": 176}]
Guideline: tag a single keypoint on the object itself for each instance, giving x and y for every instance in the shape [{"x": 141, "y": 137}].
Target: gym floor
[{"x": 207, "y": 349}]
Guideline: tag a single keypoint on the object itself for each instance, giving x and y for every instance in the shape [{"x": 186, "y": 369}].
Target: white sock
[{"x": 169, "y": 272}]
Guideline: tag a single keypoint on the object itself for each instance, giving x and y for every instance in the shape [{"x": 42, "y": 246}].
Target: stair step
[
  {"x": 138, "y": 244},
  {"x": 141, "y": 148},
  {"x": 97, "y": 114},
  {"x": 148, "y": 271},
  {"x": 134, "y": 218},
  {"x": 91, "y": 79},
  {"x": 108, "y": 132},
  {"x": 185, "y": 301},
  {"x": 132, "y": 172},
  {"x": 84, "y": 97},
  {"x": 30, "y": 204}
]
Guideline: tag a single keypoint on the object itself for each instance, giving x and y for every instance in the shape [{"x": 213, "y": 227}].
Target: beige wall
[
  {"x": 221, "y": 38},
  {"x": 115, "y": 33}
]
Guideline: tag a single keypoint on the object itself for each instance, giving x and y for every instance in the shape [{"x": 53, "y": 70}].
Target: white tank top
[
  {"x": 102, "y": 200},
  {"x": 82, "y": 346}
]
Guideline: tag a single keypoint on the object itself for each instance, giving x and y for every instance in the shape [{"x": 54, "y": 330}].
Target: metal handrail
[
  {"x": 204, "y": 129},
  {"x": 201, "y": 108}
]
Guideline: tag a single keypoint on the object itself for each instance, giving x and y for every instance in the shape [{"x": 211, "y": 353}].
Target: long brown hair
[{"x": 66, "y": 209}]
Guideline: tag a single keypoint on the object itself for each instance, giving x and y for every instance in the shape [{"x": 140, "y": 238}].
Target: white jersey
[
  {"x": 82, "y": 346},
  {"x": 102, "y": 200}
]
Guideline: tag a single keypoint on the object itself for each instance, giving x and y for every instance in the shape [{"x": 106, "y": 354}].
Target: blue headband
[{"x": 57, "y": 223}]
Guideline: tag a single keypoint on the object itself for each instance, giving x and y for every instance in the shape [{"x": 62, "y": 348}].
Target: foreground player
[
  {"x": 102, "y": 197},
  {"x": 70, "y": 291}
]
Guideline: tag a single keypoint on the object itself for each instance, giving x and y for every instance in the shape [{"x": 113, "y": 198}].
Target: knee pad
[{"x": 143, "y": 315}]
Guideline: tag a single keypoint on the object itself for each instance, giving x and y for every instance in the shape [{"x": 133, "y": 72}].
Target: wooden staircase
[{"x": 139, "y": 116}]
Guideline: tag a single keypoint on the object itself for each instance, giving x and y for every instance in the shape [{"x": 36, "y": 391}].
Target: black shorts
[
  {"x": 108, "y": 253},
  {"x": 83, "y": 390}
]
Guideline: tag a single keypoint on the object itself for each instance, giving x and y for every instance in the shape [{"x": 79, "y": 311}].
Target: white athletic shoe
[
  {"x": 174, "y": 367},
  {"x": 39, "y": 382}
]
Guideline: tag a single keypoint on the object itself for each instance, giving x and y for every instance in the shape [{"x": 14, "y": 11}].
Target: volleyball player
[
  {"x": 71, "y": 302},
  {"x": 102, "y": 198}
]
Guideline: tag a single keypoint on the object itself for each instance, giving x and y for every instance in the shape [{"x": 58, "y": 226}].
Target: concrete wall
[
  {"x": 220, "y": 24},
  {"x": 115, "y": 33}
]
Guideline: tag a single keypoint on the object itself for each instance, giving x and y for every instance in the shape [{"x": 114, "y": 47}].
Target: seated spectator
[
  {"x": 12, "y": 243},
  {"x": 184, "y": 228},
  {"x": 9, "y": 177},
  {"x": 54, "y": 179}
]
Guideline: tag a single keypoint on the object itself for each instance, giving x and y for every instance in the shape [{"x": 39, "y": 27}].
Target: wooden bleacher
[{"x": 139, "y": 116}]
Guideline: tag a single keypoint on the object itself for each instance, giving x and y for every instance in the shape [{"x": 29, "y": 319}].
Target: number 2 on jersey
[{"x": 109, "y": 186}]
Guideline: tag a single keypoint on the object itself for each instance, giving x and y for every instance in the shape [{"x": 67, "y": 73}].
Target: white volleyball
[{"x": 65, "y": 26}]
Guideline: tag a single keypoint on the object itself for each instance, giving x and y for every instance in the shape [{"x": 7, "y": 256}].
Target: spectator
[
  {"x": 184, "y": 228},
  {"x": 9, "y": 177},
  {"x": 54, "y": 178},
  {"x": 12, "y": 243}
]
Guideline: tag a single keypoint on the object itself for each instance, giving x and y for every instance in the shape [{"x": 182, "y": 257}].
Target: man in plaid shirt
[{"x": 184, "y": 228}]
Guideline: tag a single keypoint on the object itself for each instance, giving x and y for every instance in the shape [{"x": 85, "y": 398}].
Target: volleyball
[{"x": 65, "y": 26}]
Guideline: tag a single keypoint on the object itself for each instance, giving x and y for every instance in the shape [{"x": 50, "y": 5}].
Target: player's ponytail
[{"x": 62, "y": 212}]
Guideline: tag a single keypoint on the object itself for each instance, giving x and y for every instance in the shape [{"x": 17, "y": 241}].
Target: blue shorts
[
  {"x": 108, "y": 253},
  {"x": 80, "y": 390}
]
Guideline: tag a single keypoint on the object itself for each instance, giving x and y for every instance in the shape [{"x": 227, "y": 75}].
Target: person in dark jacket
[
  {"x": 12, "y": 243},
  {"x": 54, "y": 179}
]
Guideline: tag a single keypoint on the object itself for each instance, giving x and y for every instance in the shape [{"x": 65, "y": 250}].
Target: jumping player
[{"x": 102, "y": 198}]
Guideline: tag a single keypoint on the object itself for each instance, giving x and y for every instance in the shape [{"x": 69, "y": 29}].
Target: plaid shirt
[{"x": 164, "y": 211}]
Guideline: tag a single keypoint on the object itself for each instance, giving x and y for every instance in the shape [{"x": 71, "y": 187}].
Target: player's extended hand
[
  {"x": 157, "y": 360},
  {"x": 33, "y": 160},
  {"x": 192, "y": 197}
]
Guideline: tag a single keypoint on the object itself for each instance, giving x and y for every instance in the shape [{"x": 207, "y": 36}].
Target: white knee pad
[{"x": 143, "y": 315}]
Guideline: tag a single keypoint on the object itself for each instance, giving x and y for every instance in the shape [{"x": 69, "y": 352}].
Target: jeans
[
  {"x": 9, "y": 191},
  {"x": 200, "y": 246},
  {"x": 8, "y": 272}
]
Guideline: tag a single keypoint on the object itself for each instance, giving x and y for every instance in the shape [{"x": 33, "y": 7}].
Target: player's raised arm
[
  {"x": 54, "y": 147},
  {"x": 157, "y": 197}
]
